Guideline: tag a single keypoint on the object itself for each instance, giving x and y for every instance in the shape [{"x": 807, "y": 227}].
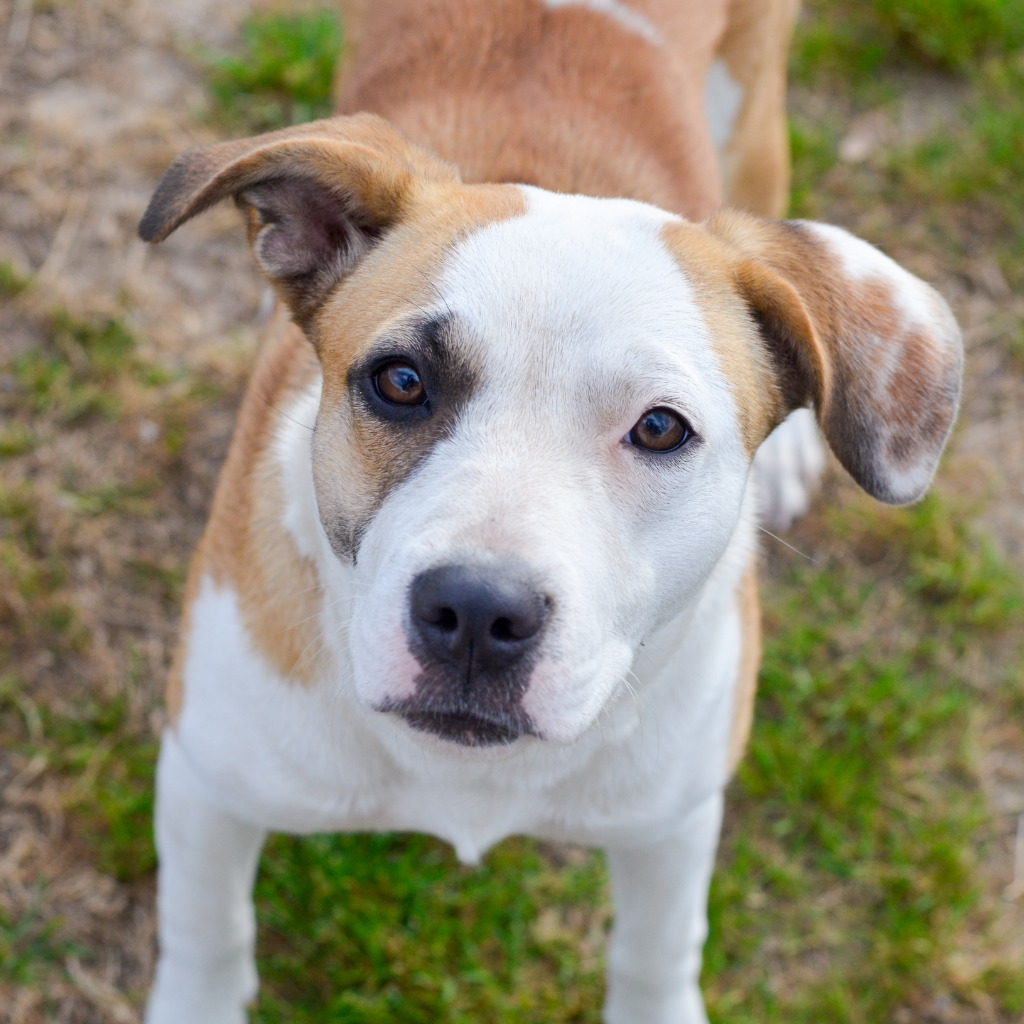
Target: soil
[{"x": 96, "y": 98}]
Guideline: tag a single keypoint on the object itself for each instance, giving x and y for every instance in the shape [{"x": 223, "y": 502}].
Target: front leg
[
  {"x": 659, "y": 893},
  {"x": 206, "y": 972}
]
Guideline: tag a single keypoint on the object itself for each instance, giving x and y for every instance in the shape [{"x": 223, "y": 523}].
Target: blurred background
[{"x": 872, "y": 867}]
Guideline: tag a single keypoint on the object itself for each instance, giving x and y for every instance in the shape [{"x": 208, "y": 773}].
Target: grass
[
  {"x": 975, "y": 162},
  {"x": 12, "y": 282},
  {"x": 402, "y": 933},
  {"x": 71, "y": 373},
  {"x": 90, "y": 586},
  {"x": 861, "y": 815},
  {"x": 28, "y": 943},
  {"x": 962, "y": 172},
  {"x": 283, "y": 74},
  {"x": 109, "y": 767},
  {"x": 857, "y": 41},
  {"x": 851, "y": 884}
]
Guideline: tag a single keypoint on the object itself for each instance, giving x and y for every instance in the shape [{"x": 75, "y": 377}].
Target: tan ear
[
  {"x": 316, "y": 197},
  {"x": 872, "y": 348}
]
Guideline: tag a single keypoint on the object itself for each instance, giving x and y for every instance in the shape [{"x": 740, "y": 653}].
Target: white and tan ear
[
  {"x": 874, "y": 350},
  {"x": 316, "y": 197}
]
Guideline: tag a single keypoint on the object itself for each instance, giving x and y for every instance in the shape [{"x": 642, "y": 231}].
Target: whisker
[
  {"x": 631, "y": 690},
  {"x": 774, "y": 536},
  {"x": 281, "y": 412},
  {"x": 437, "y": 290}
]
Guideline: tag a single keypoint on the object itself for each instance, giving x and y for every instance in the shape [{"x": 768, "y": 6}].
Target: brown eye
[
  {"x": 660, "y": 430},
  {"x": 400, "y": 384}
]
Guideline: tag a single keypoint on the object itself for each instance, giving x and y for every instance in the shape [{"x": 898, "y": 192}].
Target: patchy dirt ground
[{"x": 96, "y": 98}]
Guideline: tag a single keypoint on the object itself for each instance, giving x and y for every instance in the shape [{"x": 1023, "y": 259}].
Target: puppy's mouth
[{"x": 467, "y": 728}]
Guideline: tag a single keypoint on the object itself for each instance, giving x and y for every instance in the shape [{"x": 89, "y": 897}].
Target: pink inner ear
[
  {"x": 306, "y": 228},
  {"x": 306, "y": 239}
]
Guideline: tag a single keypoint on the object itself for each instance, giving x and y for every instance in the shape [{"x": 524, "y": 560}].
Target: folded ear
[
  {"x": 872, "y": 348},
  {"x": 316, "y": 197}
]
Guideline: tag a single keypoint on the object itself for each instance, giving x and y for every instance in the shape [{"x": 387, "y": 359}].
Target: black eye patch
[
  {"x": 413, "y": 376},
  {"x": 406, "y": 394}
]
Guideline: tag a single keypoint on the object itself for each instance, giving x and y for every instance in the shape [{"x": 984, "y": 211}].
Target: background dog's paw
[{"x": 788, "y": 469}]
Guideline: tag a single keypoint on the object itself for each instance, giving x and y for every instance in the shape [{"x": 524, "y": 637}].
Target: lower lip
[{"x": 466, "y": 730}]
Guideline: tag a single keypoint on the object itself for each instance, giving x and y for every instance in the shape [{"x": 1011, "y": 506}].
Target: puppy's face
[
  {"x": 530, "y": 455},
  {"x": 538, "y": 410}
]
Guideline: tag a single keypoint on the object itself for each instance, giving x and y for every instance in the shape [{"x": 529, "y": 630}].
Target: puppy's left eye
[
  {"x": 660, "y": 430},
  {"x": 399, "y": 383}
]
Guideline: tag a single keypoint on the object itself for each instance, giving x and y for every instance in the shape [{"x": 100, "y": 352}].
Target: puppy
[{"x": 481, "y": 557}]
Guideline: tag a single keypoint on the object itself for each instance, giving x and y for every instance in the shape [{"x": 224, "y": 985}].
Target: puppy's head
[{"x": 538, "y": 411}]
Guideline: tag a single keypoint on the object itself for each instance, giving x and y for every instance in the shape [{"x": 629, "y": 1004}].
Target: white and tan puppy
[{"x": 481, "y": 559}]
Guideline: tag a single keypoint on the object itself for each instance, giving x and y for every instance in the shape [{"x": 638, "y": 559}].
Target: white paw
[
  {"x": 216, "y": 993},
  {"x": 788, "y": 468},
  {"x": 626, "y": 1004}
]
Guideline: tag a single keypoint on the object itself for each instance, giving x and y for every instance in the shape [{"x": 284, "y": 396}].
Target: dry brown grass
[{"x": 104, "y": 505}]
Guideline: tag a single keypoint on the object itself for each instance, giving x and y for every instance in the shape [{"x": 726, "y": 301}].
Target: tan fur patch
[
  {"x": 245, "y": 546},
  {"x": 566, "y": 98},
  {"x": 743, "y": 360},
  {"x": 362, "y": 153},
  {"x": 884, "y": 385},
  {"x": 314, "y": 196},
  {"x": 750, "y": 658},
  {"x": 754, "y": 49},
  {"x": 393, "y": 283}
]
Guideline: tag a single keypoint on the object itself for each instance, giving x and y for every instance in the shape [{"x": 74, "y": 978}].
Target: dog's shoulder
[{"x": 247, "y": 550}]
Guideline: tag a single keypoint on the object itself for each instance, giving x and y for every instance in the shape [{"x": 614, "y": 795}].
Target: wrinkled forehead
[
  {"x": 589, "y": 281},
  {"x": 536, "y": 289}
]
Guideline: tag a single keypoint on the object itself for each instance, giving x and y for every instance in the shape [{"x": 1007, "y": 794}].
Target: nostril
[
  {"x": 443, "y": 617},
  {"x": 447, "y": 620},
  {"x": 501, "y": 629}
]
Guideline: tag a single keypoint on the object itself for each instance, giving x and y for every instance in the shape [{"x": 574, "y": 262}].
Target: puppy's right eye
[
  {"x": 399, "y": 383},
  {"x": 660, "y": 430}
]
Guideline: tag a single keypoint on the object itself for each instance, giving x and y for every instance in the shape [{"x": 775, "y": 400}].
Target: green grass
[
  {"x": 129, "y": 499},
  {"x": 813, "y": 147},
  {"x": 12, "y": 282},
  {"x": 850, "y": 873},
  {"x": 856, "y": 41},
  {"x": 282, "y": 76},
  {"x": 88, "y": 743},
  {"x": 859, "y": 808},
  {"x": 16, "y": 439},
  {"x": 976, "y": 161},
  {"x": 965, "y": 177},
  {"x": 32, "y": 579},
  {"x": 72, "y": 373},
  {"x": 29, "y": 944},
  {"x": 390, "y": 928}
]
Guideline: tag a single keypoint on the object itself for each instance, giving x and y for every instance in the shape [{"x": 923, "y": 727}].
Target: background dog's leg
[
  {"x": 788, "y": 468},
  {"x": 207, "y": 929},
  {"x": 755, "y": 146},
  {"x": 659, "y": 892},
  {"x": 755, "y": 171}
]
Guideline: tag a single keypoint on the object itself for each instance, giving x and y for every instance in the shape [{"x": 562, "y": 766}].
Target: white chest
[{"x": 308, "y": 758}]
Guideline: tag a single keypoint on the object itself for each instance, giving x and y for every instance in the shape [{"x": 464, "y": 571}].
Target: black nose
[{"x": 477, "y": 618}]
